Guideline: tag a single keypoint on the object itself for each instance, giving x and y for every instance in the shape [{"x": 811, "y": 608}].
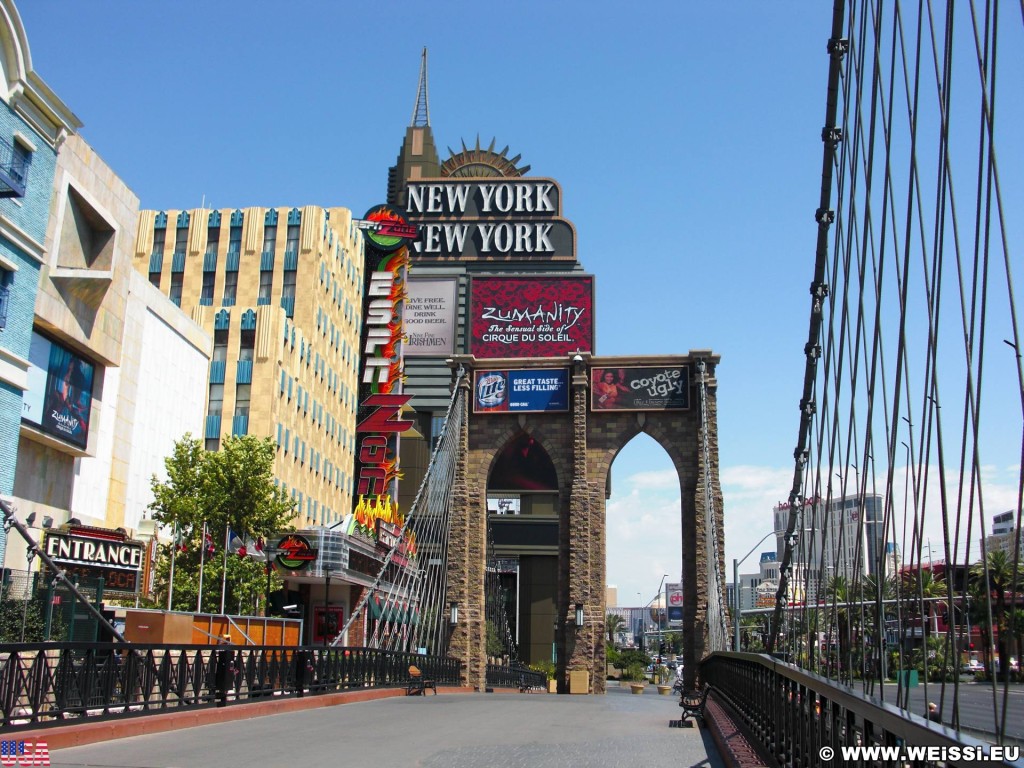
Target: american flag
[{"x": 21, "y": 753}]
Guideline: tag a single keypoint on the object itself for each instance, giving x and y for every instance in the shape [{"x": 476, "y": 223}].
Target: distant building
[
  {"x": 1003, "y": 523},
  {"x": 844, "y": 538}
]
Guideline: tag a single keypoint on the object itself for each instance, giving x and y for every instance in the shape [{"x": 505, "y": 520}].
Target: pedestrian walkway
[{"x": 449, "y": 731}]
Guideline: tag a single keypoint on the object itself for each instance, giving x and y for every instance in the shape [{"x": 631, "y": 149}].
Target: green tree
[
  {"x": 229, "y": 489},
  {"x": 613, "y": 624},
  {"x": 996, "y": 575}
]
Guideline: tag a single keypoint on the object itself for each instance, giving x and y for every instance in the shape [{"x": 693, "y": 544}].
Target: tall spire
[{"x": 421, "y": 112}]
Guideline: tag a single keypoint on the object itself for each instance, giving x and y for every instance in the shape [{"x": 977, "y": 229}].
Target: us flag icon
[{"x": 23, "y": 753}]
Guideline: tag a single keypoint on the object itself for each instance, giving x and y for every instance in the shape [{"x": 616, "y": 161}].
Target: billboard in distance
[
  {"x": 674, "y": 604},
  {"x": 531, "y": 316},
  {"x": 430, "y": 310},
  {"x": 521, "y": 391},
  {"x": 647, "y": 388}
]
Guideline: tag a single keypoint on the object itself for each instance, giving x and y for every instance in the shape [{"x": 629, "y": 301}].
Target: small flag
[{"x": 24, "y": 753}]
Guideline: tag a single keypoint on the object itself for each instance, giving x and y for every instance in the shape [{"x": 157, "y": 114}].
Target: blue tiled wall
[{"x": 29, "y": 214}]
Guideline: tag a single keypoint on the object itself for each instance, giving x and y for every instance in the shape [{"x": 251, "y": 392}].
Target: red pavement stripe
[
  {"x": 76, "y": 734},
  {"x": 736, "y": 749}
]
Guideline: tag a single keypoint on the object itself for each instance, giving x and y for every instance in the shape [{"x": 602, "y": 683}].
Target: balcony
[{"x": 14, "y": 167}]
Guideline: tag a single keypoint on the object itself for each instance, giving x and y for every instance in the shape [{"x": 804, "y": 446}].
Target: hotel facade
[{"x": 279, "y": 290}]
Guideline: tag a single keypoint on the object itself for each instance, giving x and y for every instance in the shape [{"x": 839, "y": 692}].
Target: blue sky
[{"x": 685, "y": 136}]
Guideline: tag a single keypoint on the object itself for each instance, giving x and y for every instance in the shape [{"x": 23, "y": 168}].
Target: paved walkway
[{"x": 451, "y": 731}]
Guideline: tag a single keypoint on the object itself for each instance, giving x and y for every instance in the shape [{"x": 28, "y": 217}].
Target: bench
[
  {"x": 417, "y": 685},
  {"x": 693, "y": 704}
]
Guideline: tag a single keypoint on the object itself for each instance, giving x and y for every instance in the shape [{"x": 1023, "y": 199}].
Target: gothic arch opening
[
  {"x": 644, "y": 545},
  {"x": 522, "y": 551}
]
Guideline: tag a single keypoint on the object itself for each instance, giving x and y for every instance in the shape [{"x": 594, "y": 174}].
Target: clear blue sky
[{"x": 686, "y": 138}]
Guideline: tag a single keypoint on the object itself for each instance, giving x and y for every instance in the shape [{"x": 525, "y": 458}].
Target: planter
[
  {"x": 664, "y": 690},
  {"x": 636, "y": 687},
  {"x": 552, "y": 686}
]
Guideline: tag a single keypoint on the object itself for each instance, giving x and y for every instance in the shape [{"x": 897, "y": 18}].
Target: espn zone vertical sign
[{"x": 378, "y": 421}]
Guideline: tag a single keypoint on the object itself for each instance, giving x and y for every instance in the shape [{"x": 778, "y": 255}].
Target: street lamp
[
  {"x": 327, "y": 624},
  {"x": 736, "y": 592}
]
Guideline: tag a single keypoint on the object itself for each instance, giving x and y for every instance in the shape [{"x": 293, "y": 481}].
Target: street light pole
[{"x": 736, "y": 592}]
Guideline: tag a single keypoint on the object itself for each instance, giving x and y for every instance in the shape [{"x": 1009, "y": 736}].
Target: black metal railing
[
  {"x": 794, "y": 715},
  {"x": 515, "y": 676},
  {"x": 51, "y": 683}
]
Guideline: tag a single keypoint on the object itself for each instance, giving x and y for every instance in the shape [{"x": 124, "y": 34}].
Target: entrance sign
[{"x": 98, "y": 553}]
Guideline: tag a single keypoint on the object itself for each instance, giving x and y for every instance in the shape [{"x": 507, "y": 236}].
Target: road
[
  {"x": 977, "y": 711},
  {"x": 449, "y": 731}
]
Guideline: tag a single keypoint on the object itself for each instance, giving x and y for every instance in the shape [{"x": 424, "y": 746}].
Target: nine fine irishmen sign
[{"x": 490, "y": 219}]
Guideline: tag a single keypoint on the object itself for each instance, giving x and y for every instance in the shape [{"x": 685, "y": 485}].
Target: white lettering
[
  {"x": 455, "y": 236},
  {"x": 379, "y": 312},
  {"x": 458, "y": 194}
]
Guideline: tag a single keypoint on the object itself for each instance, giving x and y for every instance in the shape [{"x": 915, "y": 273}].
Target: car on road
[{"x": 972, "y": 666}]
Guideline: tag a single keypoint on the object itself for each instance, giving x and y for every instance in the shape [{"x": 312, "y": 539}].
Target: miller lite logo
[{"x": 490, "y": 390}]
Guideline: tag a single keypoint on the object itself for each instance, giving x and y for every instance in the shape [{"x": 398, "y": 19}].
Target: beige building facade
[{"x": 279, "y": 290}]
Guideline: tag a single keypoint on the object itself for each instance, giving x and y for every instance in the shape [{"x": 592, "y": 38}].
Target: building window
[
  {"x": 247, "y": 344},
  {"x": 292, "y": 244},
  {"x": 235, "y": 239},
  {"x": 216, "y": 399},
  {"x": 220, "y": 345},
  {"x": 156, "y": 257},
  {"x": 242, "y": 393},
  {"x": 266, "y": 287},
  {"x": 177, "y": 279},
  {"x": 6, "y": 280},
  {"x": 230, "y": 288},
  {"x": 269, "y": 238},
  {"x": 181, "y": 240},
  {"x": 212, "y": 241},
  {"x": 206, "y": 297}
]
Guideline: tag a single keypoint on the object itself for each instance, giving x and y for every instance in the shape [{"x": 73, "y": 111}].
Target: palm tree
[
  {"x": 996, "y": 572},
  {"x": 613, "y": 625},
  {"x": 838, "y": 594}
]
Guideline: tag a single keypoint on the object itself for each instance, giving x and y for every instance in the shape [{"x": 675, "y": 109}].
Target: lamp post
[
  {"x": 736, "y": 591},
  {"x": 643, "y": 618},
  {"x": 327, "y": 603}
]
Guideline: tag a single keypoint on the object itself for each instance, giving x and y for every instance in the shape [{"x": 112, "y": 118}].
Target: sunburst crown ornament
[{"x": 482, "y": 163}]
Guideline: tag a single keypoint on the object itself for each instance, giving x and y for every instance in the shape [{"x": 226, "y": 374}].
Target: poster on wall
[
  {"x": 59, "y": 395},
  {"x": 649, "y": 388},
  {"x": 430, "y": 310},
  {"x": 531, "y": 316},
  {"x": 533, "y": 391}
]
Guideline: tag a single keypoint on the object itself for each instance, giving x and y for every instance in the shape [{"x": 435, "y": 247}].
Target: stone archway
[{"x": 581, "y": 443}]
